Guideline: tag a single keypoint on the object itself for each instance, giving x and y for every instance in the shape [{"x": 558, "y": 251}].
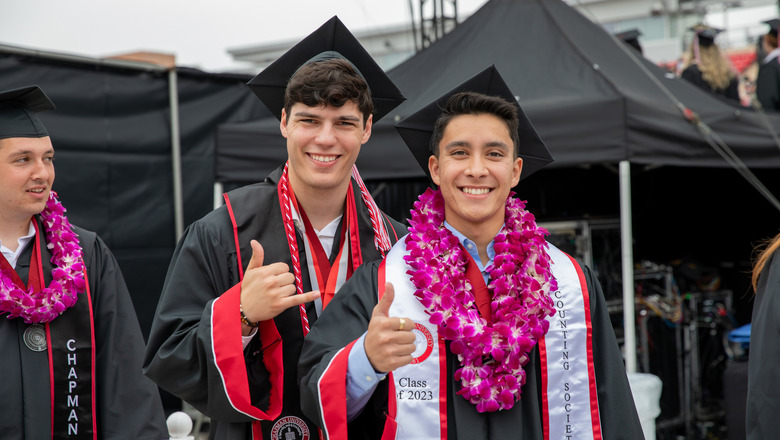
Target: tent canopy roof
[{"x": 591, "y": 99}]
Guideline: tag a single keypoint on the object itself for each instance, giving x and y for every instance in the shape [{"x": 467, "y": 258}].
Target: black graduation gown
[
  {"x": 180, "y": 353},
  {"x": 694, "y": 75},
  {"x": 768, "y": 85},
  {"x": 347, "y": 319},
  {"x": 128, "y": 404},
  {"x": 763, "y": 395}
]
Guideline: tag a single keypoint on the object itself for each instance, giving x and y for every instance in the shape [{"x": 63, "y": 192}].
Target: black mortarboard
[
  {"x": 706, "y": 34},
  {"x": 631, "y": 37},
  {"x": 333, "y": 37},
  {"x": 17, "y": 112},
  {"x": 417, "y": 129},
  {"x": 773, "y": 23}
]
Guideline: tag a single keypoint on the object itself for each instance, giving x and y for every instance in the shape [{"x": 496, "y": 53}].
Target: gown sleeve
[
  {"x": 180, "y": 355},
  {"x": 128, "y": 402},
  {"x": 619, "y": 419},
  {"x": 768, "y": 86},
  {"x": 763, "y": 395}
]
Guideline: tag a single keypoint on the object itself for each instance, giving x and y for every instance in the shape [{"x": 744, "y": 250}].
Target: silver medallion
[{"x": 35, "y": 337}]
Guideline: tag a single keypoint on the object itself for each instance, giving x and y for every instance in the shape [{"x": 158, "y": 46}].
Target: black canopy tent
[
  {"x": 114, "y": 132},
  {"x": 592, "y": 100}
]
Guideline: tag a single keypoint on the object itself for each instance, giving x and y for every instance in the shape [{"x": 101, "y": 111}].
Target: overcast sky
[{"x": 198, "y": 32}]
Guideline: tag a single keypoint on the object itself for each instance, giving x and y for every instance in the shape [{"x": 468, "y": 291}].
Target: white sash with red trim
[
  {"x": 571, "y": 409},
  {"x": 570, "y": 404}
]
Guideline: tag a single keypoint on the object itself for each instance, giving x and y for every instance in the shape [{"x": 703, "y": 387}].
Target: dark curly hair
[{"x": 330, "y": 82}]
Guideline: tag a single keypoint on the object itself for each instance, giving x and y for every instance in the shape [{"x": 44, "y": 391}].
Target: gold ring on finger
[{"x": 401, "y": 325}]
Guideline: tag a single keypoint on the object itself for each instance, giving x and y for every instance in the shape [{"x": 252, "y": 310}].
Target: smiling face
[
  {"x": 323, "y": 143},
  {"x": 26, "y": 177},
  {"x": 475, "y": 171}
]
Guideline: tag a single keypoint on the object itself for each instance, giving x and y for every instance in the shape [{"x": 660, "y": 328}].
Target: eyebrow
[
  {"x": 23, "y": 152},
  {"x": 316, "y": 116},
  {"x": 456, "y": 143}
]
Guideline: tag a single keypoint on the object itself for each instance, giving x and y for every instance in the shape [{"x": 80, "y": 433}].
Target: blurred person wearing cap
[
  {"x": 631, "y": 39},
  {"x": 248, "y": 280},
  {"x": 72, "y": 346},
  {"x": 473, "y": 326},
  {"x": 707, "y": 68},
  {"x": 768, "y": 79}
]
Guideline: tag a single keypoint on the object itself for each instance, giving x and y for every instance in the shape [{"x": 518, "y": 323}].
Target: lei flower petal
[
  {"x": 67, "y": 275},
  {"x": 520, "y": 280}
]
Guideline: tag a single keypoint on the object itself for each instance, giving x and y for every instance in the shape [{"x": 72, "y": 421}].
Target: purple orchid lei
[
  {"x": 67, "y": 275},
  {"x": 492, "y": 357}
]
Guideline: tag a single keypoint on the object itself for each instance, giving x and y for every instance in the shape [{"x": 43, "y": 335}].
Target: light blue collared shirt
[{"x": 362, "y": 379}]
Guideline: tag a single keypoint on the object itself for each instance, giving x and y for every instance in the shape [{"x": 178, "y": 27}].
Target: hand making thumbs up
[
  {"x": 389, "y": 341},
  {"x": 267, "y": 291}
]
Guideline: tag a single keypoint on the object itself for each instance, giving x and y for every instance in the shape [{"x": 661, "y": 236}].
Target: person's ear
[
  {"x": 433, "y": 167},
  {"x": 283, "y": 123},
  {"x": 517, "y": 169},
  {"x": 367, "y": 129}
]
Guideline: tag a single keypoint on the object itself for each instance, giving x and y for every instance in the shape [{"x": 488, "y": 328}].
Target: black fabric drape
[{"x": 112, "y": 137}]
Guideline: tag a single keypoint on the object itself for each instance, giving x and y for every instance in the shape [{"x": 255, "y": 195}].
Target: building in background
[{"x": 663, "y": 25}]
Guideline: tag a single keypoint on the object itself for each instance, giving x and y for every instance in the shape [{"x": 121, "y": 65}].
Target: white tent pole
[
  {"x": 626, "y": 240},
  {"x": 178, "y": 203},
  {"x": 218, "y": 190}
]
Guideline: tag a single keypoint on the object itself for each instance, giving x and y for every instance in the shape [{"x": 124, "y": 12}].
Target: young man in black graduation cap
[
  {"x": 71, "y": 343},
  {"x": 768, "y": 79},
  {"x": 248, "y": 280},
  {"x": 473, "y": 326},
  {"x": 707, "y": 68}
]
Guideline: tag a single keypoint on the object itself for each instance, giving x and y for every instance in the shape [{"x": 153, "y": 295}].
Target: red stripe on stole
[
  {"x": 229, "y": 356},
  {"x": 354, "y": 232},
  {"x": 443, "y": 384},
  {"x": 332, "y": 389},
  {"x": 545, "y": 411},
  {"x": 51, "y": 378},
  {"x": 380, "y": 281},
  {"x": 594, "y": 399},
  {"x": 92, "y": 337},
  {"x": 391, "y": 426},
  {"x": 235, "y": 235}
]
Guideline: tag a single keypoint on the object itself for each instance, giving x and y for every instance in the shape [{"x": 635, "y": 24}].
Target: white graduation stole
[
  {"x": 570, "y": 405},
  {"x": 571, "y": 409}
]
